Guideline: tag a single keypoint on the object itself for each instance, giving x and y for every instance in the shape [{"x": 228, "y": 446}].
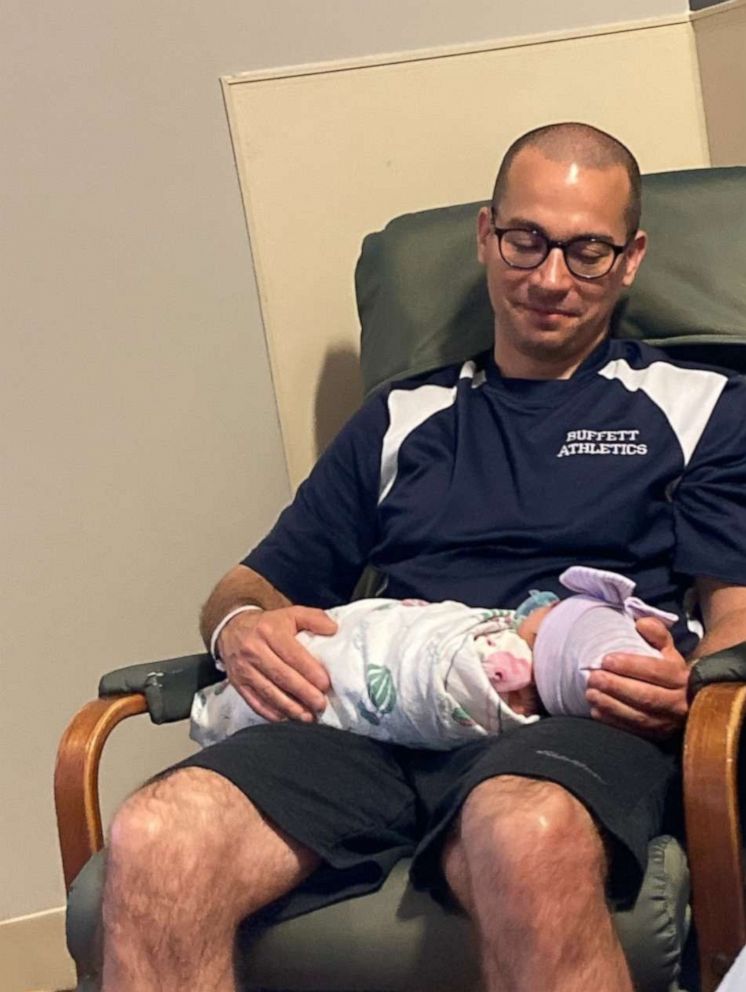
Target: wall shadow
[{"x": 339, "y": 394}]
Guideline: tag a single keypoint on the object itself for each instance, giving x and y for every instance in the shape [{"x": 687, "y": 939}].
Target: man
[{"x": 471, "y": 483}]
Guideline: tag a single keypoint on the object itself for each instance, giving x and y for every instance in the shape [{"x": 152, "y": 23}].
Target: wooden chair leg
[
  {"x": 76, "y": 777},
  {"x": 714, "y": 839}
]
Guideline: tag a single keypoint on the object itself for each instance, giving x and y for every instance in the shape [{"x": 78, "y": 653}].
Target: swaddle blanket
[{"x": 406, "y": 671}]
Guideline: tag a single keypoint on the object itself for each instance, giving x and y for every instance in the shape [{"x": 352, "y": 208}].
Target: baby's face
[{"x": 530, "y": 626}]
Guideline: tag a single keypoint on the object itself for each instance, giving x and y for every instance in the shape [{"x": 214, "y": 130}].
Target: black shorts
[{"x": 362, "y": 804}]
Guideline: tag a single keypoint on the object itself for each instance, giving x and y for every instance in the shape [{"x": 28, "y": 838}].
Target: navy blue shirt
[{"x": 461, "y": 484}]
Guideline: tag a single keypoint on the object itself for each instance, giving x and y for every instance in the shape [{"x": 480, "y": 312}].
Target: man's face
[{"x": 546, "y": 319}]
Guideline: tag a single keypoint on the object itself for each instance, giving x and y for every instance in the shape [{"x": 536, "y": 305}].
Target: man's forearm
[
  {"x": 728, "y": 630},
  {"x": 241, "y": 586}
]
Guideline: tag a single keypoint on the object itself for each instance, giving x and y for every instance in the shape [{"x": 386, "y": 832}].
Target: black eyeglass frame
[{"x": 499, "y": 233}]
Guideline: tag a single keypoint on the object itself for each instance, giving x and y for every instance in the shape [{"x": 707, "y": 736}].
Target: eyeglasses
[{"x": 527, "y": 248}]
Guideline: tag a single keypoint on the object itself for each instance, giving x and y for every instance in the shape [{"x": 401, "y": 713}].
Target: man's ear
[
  {"x": 484, "y": 229},
  {"x": 634, "y": 256}
]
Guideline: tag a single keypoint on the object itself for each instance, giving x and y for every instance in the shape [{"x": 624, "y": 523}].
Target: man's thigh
[{"x": 343, "y": 796}]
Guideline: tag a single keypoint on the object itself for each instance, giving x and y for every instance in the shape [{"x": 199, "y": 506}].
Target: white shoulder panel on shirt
[
  {"x": 687, "y": 397},
  {"x": 408, "y": 408}
]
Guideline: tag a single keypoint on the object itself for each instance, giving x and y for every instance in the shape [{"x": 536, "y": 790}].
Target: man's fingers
[
  {"x": 293, "y": 677},
  {"x": 641, "y": 696},
  {"x": 669, "y": 673},
  {"x": 622, "y": 719},
  {"x": 284, "y": 646},
  {"x": 617, "y": 714},
  {"x": 259, "y": 706},
  {"x": 270, "y": 702},
  {"x": 655, "y": 633},
  {"x": 290, "y": 660},
  {"x": 315, "y": 620}
]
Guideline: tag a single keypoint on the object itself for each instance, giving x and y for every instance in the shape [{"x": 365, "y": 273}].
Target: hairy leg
[
  {"x": 189, "y": 857},
  {"x": 528, "y": 864}
]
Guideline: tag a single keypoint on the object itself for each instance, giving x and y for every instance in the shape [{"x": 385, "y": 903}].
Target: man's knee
[
  {"x": 181, "y": 814},
  {"x": 526, "y": 823},
  {"x": 188, "y": 827}
]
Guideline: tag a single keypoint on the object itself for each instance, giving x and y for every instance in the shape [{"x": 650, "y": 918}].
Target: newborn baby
[{"x": 438, "y": 674}]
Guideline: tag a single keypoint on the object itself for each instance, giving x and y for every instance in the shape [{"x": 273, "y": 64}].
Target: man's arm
[
  {"x": 241, "y": 586},
  {"x": 263, "y": 659},
  {"x": 648, "y": 695},
  {"x": 724, "y": 613}
]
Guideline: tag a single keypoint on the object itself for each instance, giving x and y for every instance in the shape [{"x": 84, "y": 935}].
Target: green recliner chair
[{"x": 423, "y": 303}]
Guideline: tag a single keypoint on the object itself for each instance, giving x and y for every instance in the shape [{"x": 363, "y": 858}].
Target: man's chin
[
  {"x": 548, "y": 320},
  {"x": 555, "y": 343},
  {"x": 549, "y": 340},
  {"x": 552, "y": 349}
]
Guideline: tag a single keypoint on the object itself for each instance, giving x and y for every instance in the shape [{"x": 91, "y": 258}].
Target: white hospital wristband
[{"x": 219, "y": 630}]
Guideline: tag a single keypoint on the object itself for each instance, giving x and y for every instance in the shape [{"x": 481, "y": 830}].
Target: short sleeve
[
  {"x": 320, "y": 544},
  {"x": 710, "y": 499}
]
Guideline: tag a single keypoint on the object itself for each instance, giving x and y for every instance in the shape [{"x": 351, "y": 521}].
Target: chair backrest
[{"x": 423, "y": 303}]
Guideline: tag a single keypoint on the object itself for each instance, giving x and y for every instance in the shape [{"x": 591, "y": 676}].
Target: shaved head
[{"x": 584, "y": 144}]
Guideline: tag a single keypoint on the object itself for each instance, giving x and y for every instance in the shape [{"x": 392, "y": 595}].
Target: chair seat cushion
[{"x": 400, "y": 940}]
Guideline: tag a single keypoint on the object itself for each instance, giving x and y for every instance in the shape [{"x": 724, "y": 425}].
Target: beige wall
[
  {"x": 133, "y": 367},
  {"x": 720, "y": 33},
  {"x": 137, "y": 405}
]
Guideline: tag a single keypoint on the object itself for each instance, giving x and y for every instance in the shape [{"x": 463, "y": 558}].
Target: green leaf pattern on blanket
[
  {"x": 379, "y": 683},
  {"x": 381, "y": 692},
  {"x": 461, "y": 717}
]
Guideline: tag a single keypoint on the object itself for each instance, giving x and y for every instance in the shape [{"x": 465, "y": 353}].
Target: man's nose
[{"x": 553, "y": 272}]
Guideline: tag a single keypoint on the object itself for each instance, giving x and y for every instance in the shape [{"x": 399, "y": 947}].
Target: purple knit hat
[{"x": 579, "y": 631}]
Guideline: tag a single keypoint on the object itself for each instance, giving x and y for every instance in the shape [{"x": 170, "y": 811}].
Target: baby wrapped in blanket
[{"x": 435, "y": 675}]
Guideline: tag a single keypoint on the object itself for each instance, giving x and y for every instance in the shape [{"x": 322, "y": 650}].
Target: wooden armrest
[
  {"x": 714, "y": 840},
  {"x": 76, "y": 777}
]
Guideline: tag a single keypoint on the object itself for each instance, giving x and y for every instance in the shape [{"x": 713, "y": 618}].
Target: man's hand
[
  {"x": 268, "y": 667},
  {"x": 644, "y": 695}
]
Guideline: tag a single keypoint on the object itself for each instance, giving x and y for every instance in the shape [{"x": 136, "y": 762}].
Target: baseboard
[{"x": 33, "y": 955}]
